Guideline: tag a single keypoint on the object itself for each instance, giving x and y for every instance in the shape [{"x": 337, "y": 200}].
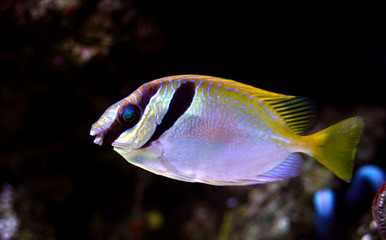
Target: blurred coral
[{"x": 9, "y": 223}]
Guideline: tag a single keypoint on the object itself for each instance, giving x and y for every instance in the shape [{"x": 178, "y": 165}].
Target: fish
[
  {"x": 217, "y": 131},
  {"x": 379, "y": 209}
]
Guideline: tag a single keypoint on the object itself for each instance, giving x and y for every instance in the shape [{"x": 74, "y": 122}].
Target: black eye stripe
[
  {"x": 144, "y": 94},
  {"x": 180, "y": 102},
  {"x": 148, "y": 90}
]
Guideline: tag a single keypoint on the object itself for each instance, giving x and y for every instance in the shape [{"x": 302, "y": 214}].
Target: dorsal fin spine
[{"x": 298, "y": 113}]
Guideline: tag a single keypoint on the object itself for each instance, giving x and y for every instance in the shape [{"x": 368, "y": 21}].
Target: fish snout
[{"x": 99, "y": 133}]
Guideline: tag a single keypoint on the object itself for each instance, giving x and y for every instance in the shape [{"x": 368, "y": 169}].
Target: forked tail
[{"x": 335, "y": 147}]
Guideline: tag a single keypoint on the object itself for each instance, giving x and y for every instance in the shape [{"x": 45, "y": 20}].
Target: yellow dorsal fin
[{"x": 298, "y": 113}]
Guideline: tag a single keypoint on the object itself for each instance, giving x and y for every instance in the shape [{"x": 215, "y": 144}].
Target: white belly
[
  {"x": 219, "y": 155},
  {"x": 218, "y": 163}
]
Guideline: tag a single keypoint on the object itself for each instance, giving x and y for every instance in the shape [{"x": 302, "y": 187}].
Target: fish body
[{"x": 205, "y": 129}]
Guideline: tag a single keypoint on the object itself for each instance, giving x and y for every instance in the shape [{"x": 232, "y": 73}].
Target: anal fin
[{"x": 290, "y": 167}]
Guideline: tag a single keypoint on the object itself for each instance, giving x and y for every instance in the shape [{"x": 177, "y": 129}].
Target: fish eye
[{"x": 130, "y": 115}]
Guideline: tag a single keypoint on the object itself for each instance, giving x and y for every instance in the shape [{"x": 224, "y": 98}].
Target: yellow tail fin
[{"x": 335, "y": 147}]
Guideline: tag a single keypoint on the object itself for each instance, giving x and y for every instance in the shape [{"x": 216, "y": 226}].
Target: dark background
[{"x": 62, "y": 63}]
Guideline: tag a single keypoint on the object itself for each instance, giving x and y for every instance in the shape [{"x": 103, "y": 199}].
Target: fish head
[
  {"x": 119, "y": 118},
  {"x": 129, "y": 123}
]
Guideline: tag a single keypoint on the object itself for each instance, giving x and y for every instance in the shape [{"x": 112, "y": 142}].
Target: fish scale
[{"x": 206, "y": 129}]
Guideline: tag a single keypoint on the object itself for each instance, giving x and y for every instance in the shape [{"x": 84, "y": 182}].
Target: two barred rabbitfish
[{"x": 210, "y": 130}]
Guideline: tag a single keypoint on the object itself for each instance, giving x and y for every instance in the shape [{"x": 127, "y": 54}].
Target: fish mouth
[
  {"x": 99, "y": 140},
  {"x": 99, "y": 133},
  {"x": 102, "y": 136}
]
